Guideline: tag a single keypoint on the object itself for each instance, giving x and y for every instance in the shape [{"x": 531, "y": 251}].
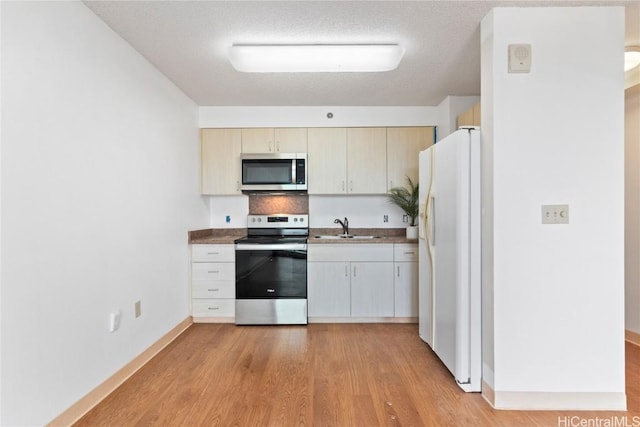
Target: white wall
[
  {"x": 231, "y": 117},
  {"x": 632, "y": 208},
  {"x": 554, "y": 136},
  {"x": 100, "y": 175},
  {"x": 362, "y": 211}
]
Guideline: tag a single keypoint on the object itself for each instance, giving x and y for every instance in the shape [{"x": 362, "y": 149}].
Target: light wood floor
[{"x": 318, "y": 375}]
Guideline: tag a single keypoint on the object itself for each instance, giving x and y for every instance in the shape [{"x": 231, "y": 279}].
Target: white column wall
[
  {"x": 632, "y": 208},
  {"x": 100, "y": 184},
  {"x": 554, "y": 136}
]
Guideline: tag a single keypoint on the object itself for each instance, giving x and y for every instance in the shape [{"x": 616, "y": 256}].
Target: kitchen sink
[{"x": 345, "y": 236}]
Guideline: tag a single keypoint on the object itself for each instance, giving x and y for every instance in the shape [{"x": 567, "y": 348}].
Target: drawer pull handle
[
  {"x": 398, "y": 271},
  {"x": 213, "y": 253},
  {"x": 409, "y": 253},
  {"x": 271, "y": 291},
  {"x": 214, "y": 271},
  {"x": 213, "y": 308},
  {"x": 213, "y": 290}
]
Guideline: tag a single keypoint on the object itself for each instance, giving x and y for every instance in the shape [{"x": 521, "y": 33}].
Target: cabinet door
[
  {"x": 327, "y": 161},
  {"x": 403, "y": 146},
  {"x": 470, "y": 117},
  {"x": 328, "y": 289},
  {"x": 476, "y": 114},
  {"x": 465, "y": 118},
  {"x": 220, "y": 161},
  {"x": 258, "y": 140},
  {"x": 405, "y": 289},
  {"x": 290, "y": 140},
  {"x": 367, "y": 160},
  {"x": 372, "y": 289}
]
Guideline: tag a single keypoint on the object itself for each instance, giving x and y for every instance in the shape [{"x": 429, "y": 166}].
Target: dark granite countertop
[
  {"x": 211, "y": 236},
  {"x": 383, "y": 235},
  {"x": 228, "y": 235}
]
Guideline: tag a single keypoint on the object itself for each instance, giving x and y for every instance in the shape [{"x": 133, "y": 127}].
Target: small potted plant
[{"x": 406, "y": 198}]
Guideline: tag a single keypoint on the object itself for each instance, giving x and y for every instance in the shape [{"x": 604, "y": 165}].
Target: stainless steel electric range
[{"x": 271, "y": 271}]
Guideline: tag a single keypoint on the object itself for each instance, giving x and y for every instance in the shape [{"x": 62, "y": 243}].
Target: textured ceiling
[{"x": 187, "y": 41}]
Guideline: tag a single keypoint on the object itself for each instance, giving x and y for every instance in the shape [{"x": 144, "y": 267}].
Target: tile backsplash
[{"x": 291, "y": 203}]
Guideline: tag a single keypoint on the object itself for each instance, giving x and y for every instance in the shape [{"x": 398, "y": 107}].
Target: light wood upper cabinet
[
  {"x": 403, "y": 146},
  {"x": 220, "y": 161},
  {"x": 327, "y": 161},
  {"x": 291, "y": 140},
  {"x": 367, "y": 160},
  {"x": 470, "y": 117},
  {"x": 274, "y": 140}
]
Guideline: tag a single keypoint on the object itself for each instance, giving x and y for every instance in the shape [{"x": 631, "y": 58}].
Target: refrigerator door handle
[{"x": 432, "y": 222}]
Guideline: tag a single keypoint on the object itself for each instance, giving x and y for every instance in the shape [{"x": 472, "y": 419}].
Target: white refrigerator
[{"x": 449, "y": 254}]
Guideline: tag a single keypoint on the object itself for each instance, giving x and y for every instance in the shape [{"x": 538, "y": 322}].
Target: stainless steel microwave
[{"x": 274, "y": 172}]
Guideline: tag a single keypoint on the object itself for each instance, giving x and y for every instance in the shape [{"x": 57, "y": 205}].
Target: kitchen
[{"x": 99, "y": 198}]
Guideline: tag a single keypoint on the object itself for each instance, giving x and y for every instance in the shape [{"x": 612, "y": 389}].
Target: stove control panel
[{"x": 278, "y": 221}]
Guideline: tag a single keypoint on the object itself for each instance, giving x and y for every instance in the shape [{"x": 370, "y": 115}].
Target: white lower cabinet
[
  {"x": 350, "y": 280},
  {"x": 213, "y": 285},
  {"x": 328, "y": 289},
  {"x": 371, "y": 289},
  {"x": 362, "y": 281},
  {"x": 405, "y": 280}
]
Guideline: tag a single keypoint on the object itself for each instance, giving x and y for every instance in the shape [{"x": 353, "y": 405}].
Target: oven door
[{"x": 271, "y": 284}]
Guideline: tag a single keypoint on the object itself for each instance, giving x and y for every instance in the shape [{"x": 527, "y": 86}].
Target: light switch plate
[
  {"x": 555, "y": 214},
  {"x": 519, "y": 58}
]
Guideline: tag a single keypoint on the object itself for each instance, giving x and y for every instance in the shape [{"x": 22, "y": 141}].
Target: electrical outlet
[
  {"x": 227, "y": 219},
  {"x": 405, "y": 218},
  {"x": 555, "y": 214},
  {"x": 138, "y": 309},
  {"x": 385, "y": 218}
]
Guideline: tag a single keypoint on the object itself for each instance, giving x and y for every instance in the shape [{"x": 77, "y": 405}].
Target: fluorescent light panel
[
  {"x": 315, "y": 58},
  {"x": 631, "y": 57}
]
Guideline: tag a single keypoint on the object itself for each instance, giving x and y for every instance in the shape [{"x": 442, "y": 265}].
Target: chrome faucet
[{"x": 345, "y": 225}]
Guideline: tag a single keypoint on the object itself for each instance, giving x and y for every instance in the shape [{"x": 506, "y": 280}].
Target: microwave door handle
[{"x": 294, "y": 165}]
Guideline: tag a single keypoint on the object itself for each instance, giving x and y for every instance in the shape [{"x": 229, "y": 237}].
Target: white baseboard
[
  {"x": 550, "y": 401},
  {"x": 95, "y": 396},
  {"x": 363, "y": 320},
  {"x": 214, "y": 320}
]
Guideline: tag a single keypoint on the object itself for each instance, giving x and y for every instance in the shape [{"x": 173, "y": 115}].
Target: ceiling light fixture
[
  {"x": 315, "y": 58},
  {"x": 631, "y": 57}
]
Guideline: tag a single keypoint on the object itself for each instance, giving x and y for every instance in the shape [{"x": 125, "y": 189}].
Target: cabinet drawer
[
  {"x": 213, "y": 307},
  {"x": 350, "y": 252},
  {"x": 213, "y": 289},
  {"x": 213, "y": 253},
  {"x": 405, "y": 252},
  {"x": 213, "y": 271}
]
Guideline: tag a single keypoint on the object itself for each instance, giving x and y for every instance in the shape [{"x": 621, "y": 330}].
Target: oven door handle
[{"x": 272, "y": 247}]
